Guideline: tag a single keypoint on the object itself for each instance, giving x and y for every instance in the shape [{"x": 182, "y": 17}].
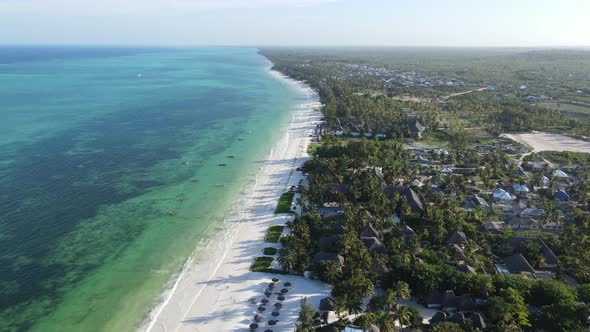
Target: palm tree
[
  {"x": 402, "y": 290},
  {"x": 406, "y": 259},
  {"x": 389, "y": 300},
  {"x": 287, "y": 259},
  {"x": 404, "y": 315},
  {"x": 385, "y": 322},
  {"x": 404, "y": 209}
]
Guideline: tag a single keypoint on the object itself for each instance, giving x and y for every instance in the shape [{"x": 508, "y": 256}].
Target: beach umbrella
[
  {"x": 287, "y": 284},
  {"x": 272, "y": 322},
  {"x": 275, "y": 280},
  {"x": 253, "y": 326},
  {"x": 264, "y": 300},
  {"x": 268, "y": 293},
  {"x": 268, "y": 330},
  {"x": 284, "y": 290},
  {"x": 261, "y": 309},
  {"x": 281, "y": 298},
  {"x": 278, "y": 305},
  {"x": 275, "y": 313},
  {"x": 271, "y": 285},
  {"x": 257, "y": 317}
]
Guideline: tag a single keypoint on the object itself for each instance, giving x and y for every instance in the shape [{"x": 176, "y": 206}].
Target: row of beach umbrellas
[{"x": 278, "y": 306}]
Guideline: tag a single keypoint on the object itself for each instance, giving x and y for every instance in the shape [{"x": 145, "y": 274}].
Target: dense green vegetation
[
  {"x": 404, "y": 229},
  {"x": 564, "y": 157},
  {"x": 284, "y": 205},
  {"x": 519, "y": 85}
]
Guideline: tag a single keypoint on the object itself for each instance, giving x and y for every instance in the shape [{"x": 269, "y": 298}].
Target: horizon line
[{"x": 297, "y": 45}]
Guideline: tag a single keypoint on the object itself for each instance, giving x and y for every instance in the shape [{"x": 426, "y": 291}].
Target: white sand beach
[
  {"x": 213, "y": 291},
  {"x": 540, "y": 141}
]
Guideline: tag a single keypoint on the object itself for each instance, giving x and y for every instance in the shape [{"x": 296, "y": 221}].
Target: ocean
[{"x": 116, "y": 163}]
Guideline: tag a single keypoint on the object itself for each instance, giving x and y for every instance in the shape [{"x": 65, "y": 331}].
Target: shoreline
[{"x": 197, "y": 297}]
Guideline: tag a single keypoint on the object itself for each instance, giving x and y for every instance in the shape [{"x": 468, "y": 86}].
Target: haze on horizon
[{"x": 520, "y": 23}]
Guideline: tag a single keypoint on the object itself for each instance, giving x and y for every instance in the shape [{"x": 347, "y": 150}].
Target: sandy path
[
  {"x": 464, "y": 93},
  {"x": 540, "y": 141},
  {"x": 213, "y": 291}
]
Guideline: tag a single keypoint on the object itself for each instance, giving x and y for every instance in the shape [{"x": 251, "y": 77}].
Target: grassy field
[
  {"x": 564, "y": 106},
  {"x": 273, "y": 234},
  {"x": 285, "y": 201},
  {"x": 565, "y": 157},
  {"x": 261, "y": 264}
]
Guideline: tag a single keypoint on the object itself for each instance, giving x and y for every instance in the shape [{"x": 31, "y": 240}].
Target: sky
[{"x": 297, "y": 22}]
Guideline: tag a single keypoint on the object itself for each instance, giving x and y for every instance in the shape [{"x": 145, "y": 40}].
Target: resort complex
[{"x": 415, "y": 222}]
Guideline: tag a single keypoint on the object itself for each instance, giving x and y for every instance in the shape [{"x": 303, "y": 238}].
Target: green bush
[
  {"x": 261, "y": 264},
  {"x": 285, "y": 201},
  {"x": 273, "y": 234},
  {"x": 270, "y": 251}
]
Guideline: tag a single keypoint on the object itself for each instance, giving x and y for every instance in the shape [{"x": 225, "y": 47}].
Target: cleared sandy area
[
  {"x": 540, "y": 141},
  {"x": 214, "y": 290}
]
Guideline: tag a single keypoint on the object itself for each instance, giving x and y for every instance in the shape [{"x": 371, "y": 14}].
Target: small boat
[
  {"x": 195, "y": 180},
  {"x": 240, "y": 139},
  {"x": 232, "y": 156},
  {"x": 222, "y": 164},
  {"x": 172, "y": 213}
]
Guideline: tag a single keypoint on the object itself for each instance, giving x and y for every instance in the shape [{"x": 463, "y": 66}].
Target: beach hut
[
  {"x": 456, "y": 237},
  {"x": 560, "y": 174},
  {"x": 501, "y": 194},
  {"x": 545, "y": 181},
  {"x": 327, "y": 304},
  {"x": 440, "y": 151},
  {"x": 520, "y": 188},
  {"x": 446, "y": 170},
  {"x": 562, "y": 195}
]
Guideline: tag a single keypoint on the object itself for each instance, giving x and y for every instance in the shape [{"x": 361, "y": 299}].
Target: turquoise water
[{"x": 98, "y": 147}]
